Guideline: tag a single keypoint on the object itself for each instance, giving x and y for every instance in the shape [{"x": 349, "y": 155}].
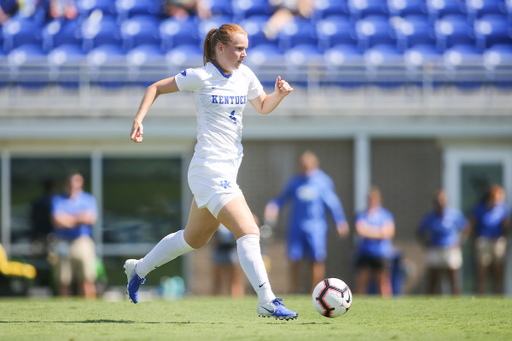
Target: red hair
[{"x": 224, "y": 34}]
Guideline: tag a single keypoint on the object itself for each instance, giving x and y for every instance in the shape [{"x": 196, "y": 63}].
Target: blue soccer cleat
[
  {"x": 134, "y": 281},
  {"x": 276, "y": 309}
]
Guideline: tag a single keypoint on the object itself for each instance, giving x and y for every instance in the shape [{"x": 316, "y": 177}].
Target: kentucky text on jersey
[{"x": 229, "y": 99}]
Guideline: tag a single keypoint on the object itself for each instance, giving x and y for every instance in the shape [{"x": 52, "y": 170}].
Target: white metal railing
[{"x": 43, "y": 87}]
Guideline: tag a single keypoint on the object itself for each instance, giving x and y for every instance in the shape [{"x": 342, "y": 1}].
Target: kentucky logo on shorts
[
  {"x": 225, "y": 184},
  {"x": 184, "y": 72}
]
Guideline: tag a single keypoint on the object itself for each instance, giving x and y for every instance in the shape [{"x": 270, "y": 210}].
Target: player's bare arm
[
  {"x": 265, "y": 104},
  {"x": 165, "y": 86}
]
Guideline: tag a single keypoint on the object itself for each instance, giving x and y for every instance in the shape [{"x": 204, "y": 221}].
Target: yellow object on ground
[{"x": 15, "y": 268}]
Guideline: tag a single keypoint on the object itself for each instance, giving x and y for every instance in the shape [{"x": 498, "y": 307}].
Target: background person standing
[
  {"x": 490, "y": 219},
  {"x": 309, "y": 192},
  {"x": 443, "y": 230},
  {"x": 375, "y": 228},
  {"x": 74, "y": 212}
]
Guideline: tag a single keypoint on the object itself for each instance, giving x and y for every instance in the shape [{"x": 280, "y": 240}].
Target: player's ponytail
[{"x": 224, "y": 35}]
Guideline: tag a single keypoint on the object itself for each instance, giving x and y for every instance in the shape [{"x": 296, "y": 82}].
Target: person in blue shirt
[
  {"x": 490, "y": 220},
  {"x": 73, "y": 214},
  {"x": 443, "y": 230},
  {"x": 309, "y": 192},
  {"x": 375, "y": 228}
]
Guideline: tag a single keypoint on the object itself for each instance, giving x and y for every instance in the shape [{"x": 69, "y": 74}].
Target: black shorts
[{"x": 373, "y": 263}]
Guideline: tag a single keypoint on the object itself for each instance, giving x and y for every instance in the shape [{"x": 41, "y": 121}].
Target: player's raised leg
[
  {"x": 237, "y": 217},
  {"x": 200, "y": 228}
]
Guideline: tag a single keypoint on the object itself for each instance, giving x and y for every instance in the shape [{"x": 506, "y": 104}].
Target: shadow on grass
[{"x": 109, "y": 321}]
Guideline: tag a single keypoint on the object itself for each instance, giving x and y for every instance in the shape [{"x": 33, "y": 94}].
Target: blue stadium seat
[
  {"x": 85, "y": 7},
  {"x": 384, "y": 66},
  {"x": 59, "y": 32},
  {"x": 498, "y": 63},
  {"x": 140, "y": 29},
  {"x": 129, "y": 8},
  {"x": 146, "y": 65},
  {"x": 416, "y": 60},
  {"x": 326, "y": 8},
  {"x": 221, "y": 7},
  {"x": 21, "y": 31},
  {"x": 419, "y": 55},
  {"x": 452, "y": 30},
  {"x": 145, "y": 54},
  {"x": 263, "y": 54},
  {"x": 65, "y": 64},
  {"x": 406, "y": 7},
  {"x": 254, "y": 28},
  {"x": 175, "y": 32},
  {"x": 28, "y": 67},
  {"x": 492, "y": 29},
  {"x": 413, "y": 30},
  {"x": 298, "y": 57},
  {"x": 268, "y": 57},
  {"x": 184, "y": 56},
  {"x": 299, "y": 31},
  {"x": 214, "y": 22},
  {"x": 478, "y": 8},
  {"x": 374, "y": 30},
  {"x": 463, "y": 65},
  {"x": 334, "y": 30},
  {"x": 439, "y": 8},
  {"x": 100, "y": 30},
  {"x": 107, "y": 66},
  {"x": 362, "y": 8},
  {"x": 344, "y": 63},
  {"x": 246, "y": 8}
]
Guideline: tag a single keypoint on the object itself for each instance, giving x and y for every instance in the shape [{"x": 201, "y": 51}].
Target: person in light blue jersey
[
  {"x": 490, "y": 220},
  {"x": 309, "y": 192},
  {"x": 443, "y": 230},
  {"x": 73, "y": 214},
  {"x": 375, "y": 228}
]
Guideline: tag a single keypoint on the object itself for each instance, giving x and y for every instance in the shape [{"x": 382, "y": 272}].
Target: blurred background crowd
[
  {"x": 409, "y": 95},
  {"x": 407, "y": 34}
]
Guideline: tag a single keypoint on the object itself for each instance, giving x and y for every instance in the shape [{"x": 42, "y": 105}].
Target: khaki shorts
[
  {"x": 77, "y": 258},
  {"x": 490, "y": 250},
  {"x": 444, "y": 258}
]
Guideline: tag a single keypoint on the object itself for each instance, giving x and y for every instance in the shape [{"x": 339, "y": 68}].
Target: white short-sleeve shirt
[{"x": 220, "y": 100}]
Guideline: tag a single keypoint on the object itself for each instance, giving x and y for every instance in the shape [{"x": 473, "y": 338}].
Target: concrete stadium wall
[{"x": 407, "y": 171}]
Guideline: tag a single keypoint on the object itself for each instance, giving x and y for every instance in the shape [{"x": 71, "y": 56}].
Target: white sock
[
  {"x": 170, "y": 247},
  {"x": 249, "y": 253}
]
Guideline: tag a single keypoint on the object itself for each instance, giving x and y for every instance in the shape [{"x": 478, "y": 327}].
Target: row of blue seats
[
  {"x": 339, "y": 56},
  {"x": 356, "y": 9},
  {"x": 334, "y": 30},
  {"x": 342, "y": 65}
]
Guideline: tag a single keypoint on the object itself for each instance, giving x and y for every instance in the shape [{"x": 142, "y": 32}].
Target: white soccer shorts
[{"x": 213, "y": 182}]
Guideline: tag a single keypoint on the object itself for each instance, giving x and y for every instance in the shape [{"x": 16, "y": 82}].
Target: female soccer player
[{"x": 220, "y": 89}]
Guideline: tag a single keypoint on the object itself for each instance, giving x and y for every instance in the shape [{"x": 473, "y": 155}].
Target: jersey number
[{"x": 232, "y": 116}]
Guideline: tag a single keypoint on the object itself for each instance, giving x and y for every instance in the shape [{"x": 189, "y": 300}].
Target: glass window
[
  {"x": 475, "y": 180},
  {"x": 141, "y": 199},
  {"x": 34, "y": 181}
]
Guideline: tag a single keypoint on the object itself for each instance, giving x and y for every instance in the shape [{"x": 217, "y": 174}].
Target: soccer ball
[{"x": 332, "y": 297}]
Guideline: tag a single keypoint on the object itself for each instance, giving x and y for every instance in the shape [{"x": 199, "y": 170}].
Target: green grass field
[{"x": 206, "y": 318}]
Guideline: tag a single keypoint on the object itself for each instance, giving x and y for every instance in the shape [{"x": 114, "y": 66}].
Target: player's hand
[
  {"x": 271, "y": 213},
  {"x": 137, "y": 131},
  {"x": 343, "y": 229},
  {"x": 282, "y": 87}
]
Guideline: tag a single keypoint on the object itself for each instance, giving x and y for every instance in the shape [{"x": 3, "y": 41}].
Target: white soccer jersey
[{"x": 220, "y": 100}]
